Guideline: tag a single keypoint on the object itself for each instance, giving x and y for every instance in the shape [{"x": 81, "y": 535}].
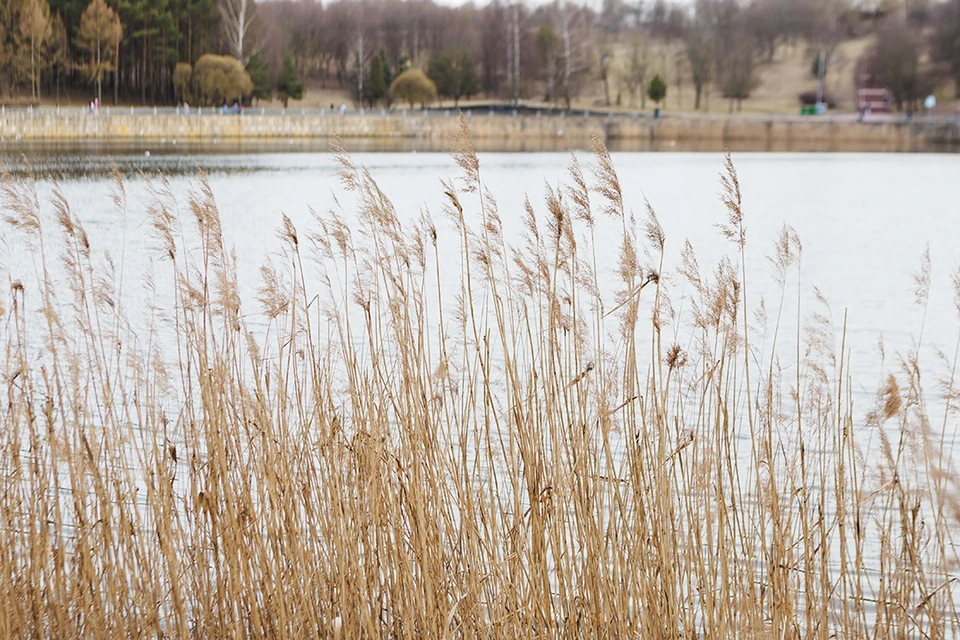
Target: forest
[{"x": 160, "y": 52}]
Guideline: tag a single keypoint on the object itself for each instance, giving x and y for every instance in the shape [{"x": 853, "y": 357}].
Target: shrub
[
  {"x": 413, "y": 86},
  {"x": 221, "y": 78},
  {"x": 657, "y": 90}
]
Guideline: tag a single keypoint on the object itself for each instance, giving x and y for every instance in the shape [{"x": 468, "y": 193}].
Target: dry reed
[{"x": 386, "y": 459}]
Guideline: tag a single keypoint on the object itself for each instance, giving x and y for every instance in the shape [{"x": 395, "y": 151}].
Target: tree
[
  {"x": 151, "y": 26},
  {"x": 634, "y": 76},
  {"x": 440, "y": 70},
  {"x": 221, "y": 77},
  {"x": 513, "y": 49},
  {"x": 605, "y": 60},
  {"x": 467, "y": 81},
  {"x": 657, "y": 90},
  {"x": 493, "y": 46},
  {"x": 36, "y": 29},
  {"x": 698, "y": 46},
  {"x": 100, "y": 34},
  {"x": 547, "y": 46},
  {"x": 737, "y": 74},
  {"x": 388, "y": 73},
  {"x": 289, "y": 84},
  {"x": 613, "y": 13},
  {"x": 237, "y": 17},
  {"x": 766, "y": 22},
  {"x": 413, "y": 86},
  {"x": 260, "y": 76},
  {"x": 896, "y": 62},
  {"x": 4, "y": 52},
  {"x": 182, "y": 78},
  {"x": 376, "y": 85},
  {"x": 58, "y": 57},
  {"x": 945, "y": 40},
  {"x": 572, "y": 60}
]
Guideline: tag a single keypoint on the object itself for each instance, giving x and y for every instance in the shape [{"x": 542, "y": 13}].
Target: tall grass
[{"x": 500, "y": 451}]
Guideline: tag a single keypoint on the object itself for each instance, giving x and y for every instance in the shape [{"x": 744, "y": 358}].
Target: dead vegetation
[{"x": 522, "y": 459}]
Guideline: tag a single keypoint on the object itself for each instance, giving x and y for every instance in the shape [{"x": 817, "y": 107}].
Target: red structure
[{"x": 869, "y": 92}]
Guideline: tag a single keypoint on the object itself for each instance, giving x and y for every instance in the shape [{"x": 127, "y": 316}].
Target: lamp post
[{"x": 820, "y": 68}]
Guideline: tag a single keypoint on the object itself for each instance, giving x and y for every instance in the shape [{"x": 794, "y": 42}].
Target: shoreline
[{"x": 435, "y": 131}]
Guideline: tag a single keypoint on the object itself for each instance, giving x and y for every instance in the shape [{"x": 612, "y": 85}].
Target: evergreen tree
[
  {"x": 388, "y": 74},
  {"x": 70, "y": 12},
  {"x": 260, "y": 76},
  {"x": 467, "y": 81},
  {"x": 440, "y": 69},
  {"x": 657, "y": 90},
  {"x": 289, "y": 84},
  {"x": 100, "y": 33},
  {"x": 58, "y": 54},
  {"x": 36, "y": 29},
  {"x": 375, "y": 87}
]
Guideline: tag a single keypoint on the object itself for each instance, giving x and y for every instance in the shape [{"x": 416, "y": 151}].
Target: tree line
[{"x": 210, "y": 51}]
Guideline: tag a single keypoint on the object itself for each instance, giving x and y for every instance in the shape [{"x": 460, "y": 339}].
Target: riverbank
[{"x": 437, "y": 130}]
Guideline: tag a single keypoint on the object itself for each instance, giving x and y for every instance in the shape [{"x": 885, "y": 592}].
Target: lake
[{"x": 865, "y": 220}]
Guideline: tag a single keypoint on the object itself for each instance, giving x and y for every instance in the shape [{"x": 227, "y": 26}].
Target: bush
[
  {"x": 413, "y": 86},
  {"x": 221, "y": 78},
  {"x": 657, "y": 90}
]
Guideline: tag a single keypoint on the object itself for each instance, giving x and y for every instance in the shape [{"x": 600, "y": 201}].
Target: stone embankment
[{"x": 437, "y": 129}]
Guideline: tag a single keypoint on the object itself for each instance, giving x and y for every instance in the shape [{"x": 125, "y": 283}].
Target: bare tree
[
  {"x": 896, "y": 61},
  {"x": 737, "y": 72},
  {"x": 698, "y": 45},
  {"x": 765, "y": 20},
  {"x": 493, "y": 45},
  {"x": 364, "y": 46},
  {"x": 516, "y": 53},
  {"x": 547, "y": 46},
  {"x": 238, "y": 17},
  {"x": 606, "y": 58},
  {"x": 636, "y": 74},
  {"x": 513, "y": 53},
  {"x": 572, "y": 59},
  {"x": 946, "y": 40},
  {"x": 361, "y": 61},
  {"x": 612, "y": 16}
]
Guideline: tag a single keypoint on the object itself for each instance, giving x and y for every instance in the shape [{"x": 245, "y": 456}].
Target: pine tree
[
  {"x": 467, "y": 81},
  {"x": 260, "y": 76},
  {"x": 440, "y": 69},
  {"x": 100, "y": 33},
  {"x": 376, "y": 87},
  {"x": 36, "y": 29},
  {"x": 657, "y": 90},
  {"x": 58, "y": 54},
  {"x": 289, "y": 84}
]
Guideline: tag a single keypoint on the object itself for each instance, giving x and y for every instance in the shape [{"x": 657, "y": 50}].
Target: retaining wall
[{"x": 440, "y": 129}]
